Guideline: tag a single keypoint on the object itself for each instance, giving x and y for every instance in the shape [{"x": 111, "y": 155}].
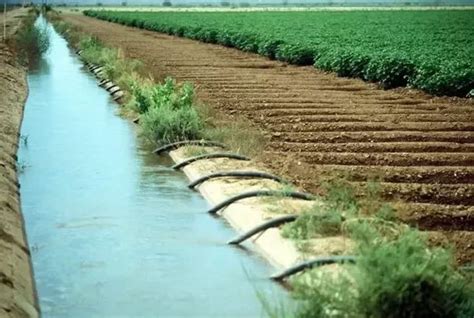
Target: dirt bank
[
  {"x": 17, "y": 290},
  {"x": 319, "y": 125}
]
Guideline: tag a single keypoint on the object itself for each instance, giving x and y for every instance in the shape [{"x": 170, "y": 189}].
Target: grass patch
[
  {"x": 238, "y": 135},
  {"x": 326, "y": 217},
  {"x": 31, "y": 41},
  {"x": 316, "y": 222}
]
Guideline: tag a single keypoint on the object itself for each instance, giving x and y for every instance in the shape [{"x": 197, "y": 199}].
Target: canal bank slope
[{"x": 17, "y": 289}]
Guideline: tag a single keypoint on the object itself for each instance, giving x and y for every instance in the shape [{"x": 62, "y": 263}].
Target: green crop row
[{"x": 393, "y": 48}]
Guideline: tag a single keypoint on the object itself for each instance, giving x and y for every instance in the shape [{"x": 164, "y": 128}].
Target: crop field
[
  {"x": 393, "y": 48},
  {"x": 420, "y": 147}
]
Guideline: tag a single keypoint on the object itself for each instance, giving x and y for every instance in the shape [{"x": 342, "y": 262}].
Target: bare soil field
[
  {"x": 17, "y": 290},
  {"x": 320, "y": 126}
]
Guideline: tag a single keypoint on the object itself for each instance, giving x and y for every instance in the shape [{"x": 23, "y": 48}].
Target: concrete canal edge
[
  {"x": 17, "y": 287},
  {"x": 280, "y": 252}
]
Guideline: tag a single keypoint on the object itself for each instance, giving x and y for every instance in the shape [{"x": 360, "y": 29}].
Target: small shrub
[{"x": 165, "y": 125}]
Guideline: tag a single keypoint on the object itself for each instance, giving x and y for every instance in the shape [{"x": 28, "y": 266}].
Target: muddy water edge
[{"x": 114, "y": 231}]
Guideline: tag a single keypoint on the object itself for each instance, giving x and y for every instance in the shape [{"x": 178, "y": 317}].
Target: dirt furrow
[
  {"x": 374, "y": 136},
  {"x": 374, "y": 147},
  {"x": 392, "y": 159},
  {"x": 318, "y": 121},
  {"x": 417, "y": 174}
]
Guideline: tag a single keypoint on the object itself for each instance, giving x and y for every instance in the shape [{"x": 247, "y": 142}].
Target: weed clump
[
  {"x": 398, "y": 277},
  {"x": 31, "y": 41},
  {"x": 165, "y": 125},
  {"x": 167, "y": 112},
  {"x": 326, "y": 218}
]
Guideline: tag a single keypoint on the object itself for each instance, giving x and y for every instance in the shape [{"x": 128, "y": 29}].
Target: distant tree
[
  {"x": 225, "y": 4},
  {"x": 244, "y": 4},
  {"x": 167, "y": 3},
  {"x": 285, "y": 3},
  {"x": 124, "y": 3}
]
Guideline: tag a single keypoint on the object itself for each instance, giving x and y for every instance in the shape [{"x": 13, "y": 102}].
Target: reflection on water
[{"x": 114, "y": 232}]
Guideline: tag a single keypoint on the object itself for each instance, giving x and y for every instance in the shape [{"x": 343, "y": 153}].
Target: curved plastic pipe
[
  {"x": 178, "y": 144},
  {"x": 261, "y": 193},
  {"x": 103, "y": 82},
  {"x": 97, "y": 70},
  {"x": 94, "y": 67},
  {"x": 262, "y": 227},
  {"x": 320, "y": 261},
  {"x": 209, "y": 156},
  {"x": 114, "y": 89},
  {"x": 117, "y": 95},
  {"x": 242, "y": 174}
]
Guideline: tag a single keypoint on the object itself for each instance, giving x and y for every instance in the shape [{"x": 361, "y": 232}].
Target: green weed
[
  {"x": 31, "y": 41},
  {"x": 165, "y": 124},
  {"x": 316, "y": 222},
  {"x": 392, "y": 278}
]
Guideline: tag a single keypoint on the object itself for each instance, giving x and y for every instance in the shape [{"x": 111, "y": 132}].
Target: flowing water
[{"x": 113, "y": 230}]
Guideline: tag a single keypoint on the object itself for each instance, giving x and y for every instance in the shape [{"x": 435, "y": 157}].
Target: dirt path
[
  {"x": 320, "y": 125},
  {"x": 17, "y": 291}
]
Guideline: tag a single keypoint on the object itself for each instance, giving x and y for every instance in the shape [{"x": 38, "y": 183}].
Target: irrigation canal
[{"x": 113, "y": 230}]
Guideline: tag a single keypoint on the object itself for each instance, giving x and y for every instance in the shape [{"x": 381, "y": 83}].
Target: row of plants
[
  {"x": 398, "y": 273},
  {"x": 394, "y": 48}
]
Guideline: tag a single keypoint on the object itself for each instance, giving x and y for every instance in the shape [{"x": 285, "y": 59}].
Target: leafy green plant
[
  {"x": 389, "y": 70},
  {"x": 165, "y": 125},
  {"x": 295, "y": 54},
  {"x": 167, "y": 110}
]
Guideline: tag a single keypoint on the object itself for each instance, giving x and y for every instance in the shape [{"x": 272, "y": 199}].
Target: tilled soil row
[{"x": 422, "y": 147}]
